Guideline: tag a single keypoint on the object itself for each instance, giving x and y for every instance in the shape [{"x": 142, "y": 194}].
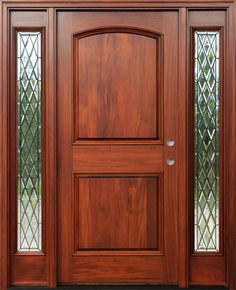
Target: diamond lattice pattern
[
  {"x": 29, "y": 141},
  {"x": 206, "y": 141}
]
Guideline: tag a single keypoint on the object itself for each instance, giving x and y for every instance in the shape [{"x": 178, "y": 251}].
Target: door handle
[
  {"x": 170, "y": 161},
  {"x": 170, "y": 142}
]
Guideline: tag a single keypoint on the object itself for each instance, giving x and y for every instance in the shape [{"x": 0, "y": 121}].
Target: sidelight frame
[
  {"x": 51, "y": 7},
  {"x": 200, "y": 261}
]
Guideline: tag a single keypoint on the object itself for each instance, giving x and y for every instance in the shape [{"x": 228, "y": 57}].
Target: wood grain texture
[
  {"x": 183, "y": 152},
  {"x": 117, "y": 157},
  {"x": 116, "y": 212},
  {"x": 207, "y": 270},
  {"x": 29, "y": 270},
  {"x": 4, "y": 251},
  {"x": 112, "y": 157},
  {"x": 100, "y": 269},
  {"x": 230, "y": 108},
  {"x": 51, "y": 133},
  {"x": 116, "y": 87}
]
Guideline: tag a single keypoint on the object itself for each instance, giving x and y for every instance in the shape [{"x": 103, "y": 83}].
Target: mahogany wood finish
[
  {"x": 231, "y": 144},
  {"x": 51, "y": 242},
  {"x": 117, "y": 157},
  {"x": 118, "y": 114},
  {"x": 183, "y": 249},
  {"x": 98, "y": 223},
  {"x": 104, "y": 84},
  {"x": 106, "y": 161}
]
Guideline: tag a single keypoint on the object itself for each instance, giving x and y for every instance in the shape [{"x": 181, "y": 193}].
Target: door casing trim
[{"x": 51, "y": 7}]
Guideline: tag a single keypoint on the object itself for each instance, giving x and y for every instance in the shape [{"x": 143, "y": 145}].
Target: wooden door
[
  {"x": 117, "y": 130},
  {"x": 117, "y": 146}
]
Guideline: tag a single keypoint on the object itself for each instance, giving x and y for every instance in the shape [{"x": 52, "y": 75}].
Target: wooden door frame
[{"x": 51, "y": 7}]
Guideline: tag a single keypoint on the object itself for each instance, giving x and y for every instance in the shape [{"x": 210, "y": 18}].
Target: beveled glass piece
[
  {"x": 206, "y": 185},
  {"x": 29, "y": 145}
]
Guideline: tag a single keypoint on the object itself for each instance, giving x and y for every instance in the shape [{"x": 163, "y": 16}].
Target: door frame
[{"x": 51, "y": 7}]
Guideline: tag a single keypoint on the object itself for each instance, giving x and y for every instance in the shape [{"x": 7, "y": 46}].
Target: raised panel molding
[
  {"x": 136, "y": 226},
  {"x": 111, "y": 66}
]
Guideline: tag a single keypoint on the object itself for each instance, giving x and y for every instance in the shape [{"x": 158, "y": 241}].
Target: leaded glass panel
[
  {"x": 29, "y": 149},
  {"x": 206, "y": 193}
]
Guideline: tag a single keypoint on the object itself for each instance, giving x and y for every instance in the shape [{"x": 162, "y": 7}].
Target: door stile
[
  {"x": 231, "y": 145},
  {"x": 5, "y": 224},
  {"x": 52, "y": 150},
  {"x": 183, "y": 151}
]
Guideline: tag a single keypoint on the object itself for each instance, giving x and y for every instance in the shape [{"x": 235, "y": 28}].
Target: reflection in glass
[
  {"x": 206, "y": 194},
  {"x": 29, "y": 149}
]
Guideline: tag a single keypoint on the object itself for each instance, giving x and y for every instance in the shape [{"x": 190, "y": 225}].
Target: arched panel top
[
  {"x": 118, "y": 29},
  {"x": 117, "y": 84}
]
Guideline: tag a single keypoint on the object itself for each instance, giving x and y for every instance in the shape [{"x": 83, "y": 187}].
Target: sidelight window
[
  {"x": 29, "y": 145},
  {"x": 206, "y": 147}
]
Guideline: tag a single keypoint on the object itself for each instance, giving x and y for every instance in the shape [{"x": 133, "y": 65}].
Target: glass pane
[
  {"x": 206, "y": 194},
  {"x": 29, "y": 141}
]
